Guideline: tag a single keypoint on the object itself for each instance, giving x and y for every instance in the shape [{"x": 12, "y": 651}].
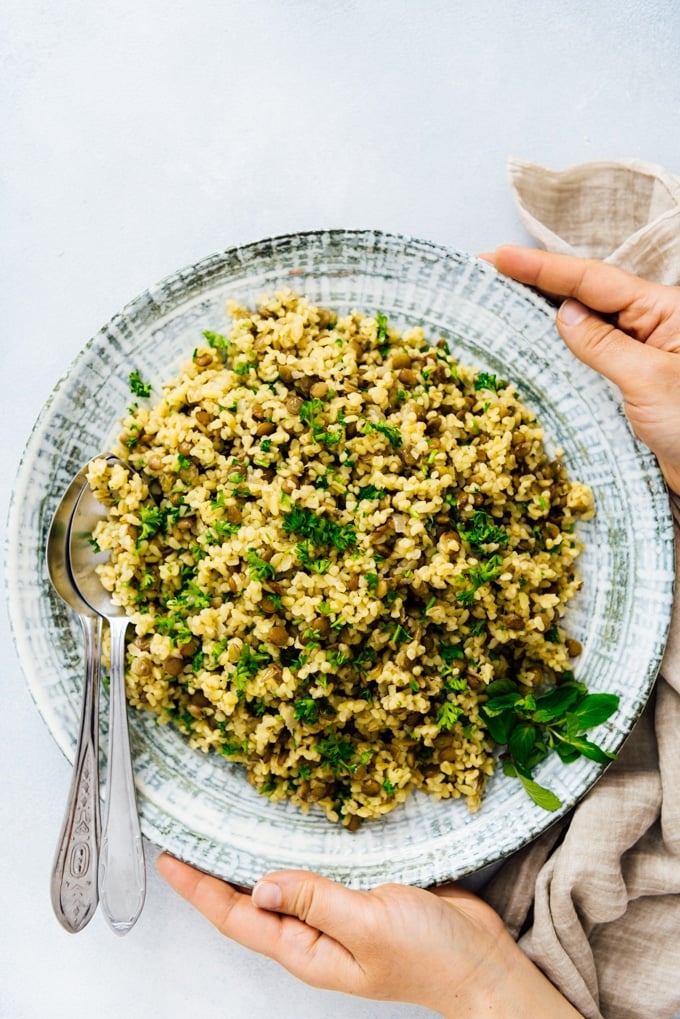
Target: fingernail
[
  {"x": 572, "y": 312},
  {"x": 267, "y": 895}
]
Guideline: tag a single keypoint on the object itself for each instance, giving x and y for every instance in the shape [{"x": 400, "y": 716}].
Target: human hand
[
  {"x": 640, "y": 354},
  {"x": 446, "y": 949}
]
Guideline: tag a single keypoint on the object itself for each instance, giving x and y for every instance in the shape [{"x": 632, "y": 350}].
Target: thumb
[
  {"x": 626, "y": 362},
  {"x": 315, "y": 900},
  {"x": 649, "y": 380}
]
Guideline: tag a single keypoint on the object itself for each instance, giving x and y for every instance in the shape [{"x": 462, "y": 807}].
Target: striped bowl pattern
[{"x": 200, "y": 807}]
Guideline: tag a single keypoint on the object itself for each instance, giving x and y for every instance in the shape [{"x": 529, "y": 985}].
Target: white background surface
[{"x": 139, "y": 135}]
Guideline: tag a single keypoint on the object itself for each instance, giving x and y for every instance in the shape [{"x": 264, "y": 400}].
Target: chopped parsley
[
  {"x": 309, "y": 709},
  {"x": 481, "y": 530},
  {"x": 337, "y": 658},
  {"x": 485, "y": 380},
  {"x": 336, "y": 752},
  {"x": 244, "y": 367},
  {"x": 249, "y": 664},
  {"x": 216, "y": 340},
  {"x": 306, "y": 710},
  {"x": 221, "y": 529},
  {"x": 259, "y": 567},
  {"x": 448, "y": 714},
  {"x": 392, "y": 434},
  {"x": 478, "y": 575},
  {"x": 191, "y": 597},
  {"x": 309, "y": 414},
  {"x": 370, "y": 492},
  {"x": 319, "y": 565},
  {"x": 137, "y": 386},
  {"x": 153, "y": 520},
  {"x": 381, "y": 333},
  {"x": 451, "y": 653},
  {"x": 400, "y": 635},
  {"x": 319, "y": 530}
]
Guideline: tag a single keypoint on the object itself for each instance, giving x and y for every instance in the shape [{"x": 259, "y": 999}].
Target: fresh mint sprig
[{"x": 531, "y": 726}]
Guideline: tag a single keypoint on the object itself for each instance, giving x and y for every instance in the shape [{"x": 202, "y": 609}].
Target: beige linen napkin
[{"x": 595, "y": 901}]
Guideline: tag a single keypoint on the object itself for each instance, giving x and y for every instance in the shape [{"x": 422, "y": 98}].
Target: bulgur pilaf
[{"x": 337, "y": 538}]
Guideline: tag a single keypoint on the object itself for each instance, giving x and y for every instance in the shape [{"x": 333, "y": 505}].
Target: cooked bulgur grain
[{"x": 336, "y": 538}]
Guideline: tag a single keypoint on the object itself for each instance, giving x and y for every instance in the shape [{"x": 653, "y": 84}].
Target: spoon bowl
[
  {"x": 122, "y": 879},
  {"x": 73, "y": 885}
]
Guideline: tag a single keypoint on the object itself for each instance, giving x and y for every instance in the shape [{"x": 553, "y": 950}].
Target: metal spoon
[
  {"x": 73, "y": 885},
  {"x": 122, "y": 879}
]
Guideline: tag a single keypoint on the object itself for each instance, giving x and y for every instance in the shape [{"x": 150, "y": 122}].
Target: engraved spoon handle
[
  {"x": 122, "y": 878},
  {"x": 73, "y": 885}
]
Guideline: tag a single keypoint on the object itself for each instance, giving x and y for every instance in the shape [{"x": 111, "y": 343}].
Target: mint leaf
[
  {"x": 541, "y": 796},
  {"x": 521, "y": 742},
  {"x": 585, "y": 747},
  {"x": 553, "y": 705},
  {"x": 594, "y": 709},
  {"x": 499, "y": 726}
]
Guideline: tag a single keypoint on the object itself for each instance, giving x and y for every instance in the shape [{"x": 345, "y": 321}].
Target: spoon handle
[
  {"x": 122, "y": 879},
  {"x": 73, "y": 885}
]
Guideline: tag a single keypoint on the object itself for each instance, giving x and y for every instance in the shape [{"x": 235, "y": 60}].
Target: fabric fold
[
  {"x": 627, "y": 213},
  {"x": 595, "y": 901}
]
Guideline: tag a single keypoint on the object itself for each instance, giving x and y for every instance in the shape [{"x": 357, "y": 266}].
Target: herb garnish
[
  {"x": 319, "y": 530},
  {"x": 221, "y": 529},
  {"x": 481, "y": 530},
  {"x": 191, "y": 597},
  {"x": 244, "y": 367},
  {"x": 309, "y": 414},
  {"x": 319, "y": 565},
  {"x": 259, "y": 568},
  {"x": 485, "y": 380},
  {"x": 153, "y": 520},
  {"x": 448, "y": 714},
  {"x": 400, "y": 635},
  {"x": 307, "y": 710},
  {"x": 137, "y": 386},
  {"x": 479, "y": 575},
  {"x": 216, "y": 340},
  {"x": 531, "y": 726},
  {"x": 336, "y": 752},
  {"x": 381, "y": 333},
  {"x": 370, "y": 492},
  {"x": 337, "y": 658},
  {"x": 249, "y": 664},
  {"x": 389, "y": 431}
]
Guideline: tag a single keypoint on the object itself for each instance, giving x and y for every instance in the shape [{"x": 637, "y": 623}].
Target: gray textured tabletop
[{"x": 141, "y": 137}]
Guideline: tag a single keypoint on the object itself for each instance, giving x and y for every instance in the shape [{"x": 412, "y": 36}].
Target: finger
[
  {"x": 297, "y": 945},
  {"x": 602, "y": 287},
  {"x": 630, "y": 365},
  {"x": 315, "y": 900},
  {"x": 232, "y": 912}
]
